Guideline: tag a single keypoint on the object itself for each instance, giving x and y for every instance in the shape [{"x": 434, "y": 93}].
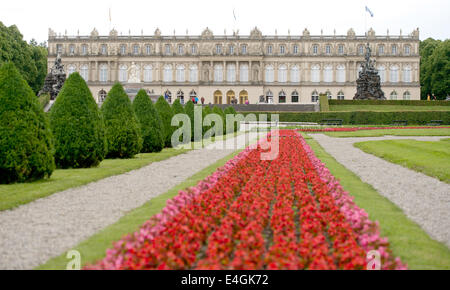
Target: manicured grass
[
  {"x": 430, "y": 158},
  {"x": 407, "y": 239},
  {"x": 386, "y": 108},
  {"x": 392, "y": 132},
  {"x": 94, "y": 248},
  {"x": 13, "y": 195}
]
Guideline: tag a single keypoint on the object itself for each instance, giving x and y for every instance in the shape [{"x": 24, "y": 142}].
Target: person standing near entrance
[
  {"x": 203, "y": 100},
  {"x": 196, "y": 100}
]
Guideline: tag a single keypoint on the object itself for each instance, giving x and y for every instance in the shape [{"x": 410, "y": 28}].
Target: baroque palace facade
[{"x": 258, "y": 69}]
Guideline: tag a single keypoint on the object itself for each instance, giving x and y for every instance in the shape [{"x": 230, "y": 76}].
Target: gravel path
[
  {"x": 424, "y": 199},
  {"x": 33, "y": 233}
]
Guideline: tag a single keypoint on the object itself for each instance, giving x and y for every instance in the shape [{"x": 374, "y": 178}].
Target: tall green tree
[
  {"x": 435, "y": 68},
  {"x": 123, "y": 133},
  {"x": 150, "y": 122},
  {"x": 166, "y": 114},
  {"x": 77, "y": 126},
  {"x": 26, "y": 147}
]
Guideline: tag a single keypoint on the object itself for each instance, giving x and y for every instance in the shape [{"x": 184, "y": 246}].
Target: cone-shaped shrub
[
  {"x": 123, "y": 133},
  {"x": 166, "y": 114},
  {"x": 26, "y": 145},
  {"x": 77, "y": 126},
  {"x": 151, "y": 125},
  {"x": 206, "y": 111},
  {"x": 231, "y": 111},
  {"x": 189, "y": 109},
  {"x": 177, "y": 107},
  {"x": 218, "y": 111}
]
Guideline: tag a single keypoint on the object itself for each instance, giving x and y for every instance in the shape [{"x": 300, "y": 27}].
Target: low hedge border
[
  {"x": 388, "y": 102},
  {"x": 363, "y": 118}
]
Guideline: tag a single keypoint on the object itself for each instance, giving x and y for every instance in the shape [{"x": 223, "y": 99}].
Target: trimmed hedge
[
  {"x": 26, "y": 145},
  {"x": 166, "y": 114},
  {"x": 150, "y": 123},
  {"x": 122, "y": 128},
  {"x": 77, "y": 126},
  {"x": 388, "y": 102},
  {"x": 364, "y": 118},
  {"x": 324, "y": 104}
]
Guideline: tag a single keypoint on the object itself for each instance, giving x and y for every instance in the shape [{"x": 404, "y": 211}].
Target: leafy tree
[
  {"x": 166, "y": 114},
  {"x": 151, "y": 124},
  {"x": 123, "y": 133},
  {"x": 434, "y": 68},
  {"x": 26, "y": 147},
  {"x": 77, "y": 126}
]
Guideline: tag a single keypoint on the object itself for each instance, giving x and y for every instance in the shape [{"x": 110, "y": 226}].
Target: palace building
[{"x": 291, "y": 69}]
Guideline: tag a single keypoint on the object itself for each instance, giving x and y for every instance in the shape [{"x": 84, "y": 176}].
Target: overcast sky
[{"x": 35, "y": 17}]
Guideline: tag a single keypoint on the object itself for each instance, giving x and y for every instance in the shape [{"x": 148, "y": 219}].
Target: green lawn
[
  {"x": 430, "y": 158},
  {"x": 407, "y": 239},
  {"x": 94, "y": 248},
  {"x": 13, "y": 195},
  {"x": 392, "y": 132},
  {"x": 386, "y": 108}
]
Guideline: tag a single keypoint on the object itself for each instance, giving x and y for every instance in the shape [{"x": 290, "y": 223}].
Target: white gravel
[
  {"x": 33, "y": 233},
  {"x": 424, "y": 199}
]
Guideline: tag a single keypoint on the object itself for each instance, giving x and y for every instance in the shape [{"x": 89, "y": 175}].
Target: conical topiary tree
[
  {"x": 177, "y": 107},
  {"x": 206, "y": 111},
  {"x": 151, "y": 125},
  {"x": 166, "y": 114},
  {"x": 26, "y": 146},
  {"x": 218, "y": 111},
  {"x": 77, "y": 126},
  {"x": 123, "y": 133},
  {"x": 189, "y": 109}
]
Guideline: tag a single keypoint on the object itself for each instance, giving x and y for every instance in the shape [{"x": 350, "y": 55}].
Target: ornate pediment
[
  {"x": 94, "y": 33},
  {"x": 255, "y": 33},
  {"x": 157, "y": 33},
  {"x": 371, "y": 33},
  {"x": 306, "y": 33},
  {"x": 351, "y": 34},
  {"x": 207, "y": 34},
  {"x": 113, "y": 33}
]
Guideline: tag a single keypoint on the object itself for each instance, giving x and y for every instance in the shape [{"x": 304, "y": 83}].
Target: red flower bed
[
  {"x": 354, "y": 129},
  {"x": 288, "y": 213}
]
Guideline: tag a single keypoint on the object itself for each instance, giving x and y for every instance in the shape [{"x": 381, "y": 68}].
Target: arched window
[
  {"x": 193, "y": 73},
  {"x": 282, "y": 73},
  {"x": 295, "y": 74},
  {"x": 217, "y": 97},
  {"x": 180, "y": 74},
  {"x": 243, "y": 97},
  {"x": 71, "y": 69},
  {"x": 294, "y": 97},
  {"x": 269, "y": 97},
  {"x": 148, "y": 73},
  {"x": 282, "y": 97},
  {"x": 407, "y": 96},
  {"x": 329, "y": 95},
  {"x": 314, "y": 97},
  {"x": 103, "y": 73},
  {"x": 102, "y": 96},
  {"x": 243, "y": 75},
  {"x": 340, "y": 75},
  {"x": 341, "y": 96},
  {"x": 231, "y": 73},
  {"x": 393, "y": 95},
  {"x": 394, "y": 74},
  {"x": 84, "y": 71},
  {"x": 407, "y": 74},
  {"x": 231, "y": 97},
  {"x": 382, "y": 73},
  {"x": 328, "y": 74},
  {"x": 315, "y": 73},
  {"x": 269, "y": 74},
  {"x": 123, "y": 73},
  {"x": 167, "y": 74},
  {"x": 168, "y": 96},
  {"x": 180, "y": 96},
  {"x": 218, "y": 73}
]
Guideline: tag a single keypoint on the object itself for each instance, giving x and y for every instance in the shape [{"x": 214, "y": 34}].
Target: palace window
[
  {"x": 72, "y": 49},
  {"x": 394, "y": 49},
  {"x": 382, "y": 73},
  {"x": 295, "y": 74},
  {"x": 328, "y": 74},
  {"x": 269, "y": 74},
  {"x": 84, "y": 49},
  {"x": 218, "y": 49},
  {"x": 244, "y": 49},
  {"x": 407, "y": 96},
  {"x": 294, "y": 97},
  {"x": 329, "y": 95},
  {"x": 180, "y": 49},
  {"x": 194, "y": 49},
  {"x": 193, "y": 73},
  {"x": 243, "y": 75},
  {"x": 282, "y": 97},
  {"x": 168, "y": 96},
  {"x": 231, "y": 49},
  {"x": 167, "y": 74},
  {"x": 407, "y": 74},
  {"x": 218, "y": 73},
  {"x": 282, "y": 49},
  {"x": 341, "y": 96},
  {"x": 59, "y": 48},
  {"x": 340, "y": 75},
  {"x": 167, "y": 49},
  {"x": 295, "y": 49},
  {"x": 393, "y": 95},
  {"x": 269, "y": 49},
  {"x": 102, "y": 96},
  {"x": 136, "y": 49},
  {"x": 315, "y": 73},
  {"x": 71, "y": 69},
  {"x": 314, "y": 97},
  {"x": 103, "y": 73},
  {"x": 328, "y": 49},
  {"x": 341, "y": 49},
  {"x": 148, "y": 49},
  {"x": 123, "y": 73},
  {"x": 381, "y": 50},
  {"x": 282, "y": 73},
  {"x": 104, "y": 49},
  {"x": 315, "y": 49},
  {"x": 180, "y": 96},
  {"x": 123, "y": 49},
  {"x": 148, "y": 73},
  {"x": 361, "y": 50},
  {"x": 407, "y": 50},
  {"x": 394, "y": 74},
  {"x": 231, "y": 73},
  {"x": 269, "y": 97},
  {"x": 84, "y": 72}
]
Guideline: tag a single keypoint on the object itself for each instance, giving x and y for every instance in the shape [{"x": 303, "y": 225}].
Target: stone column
[{"x": 238, "y": 73}]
